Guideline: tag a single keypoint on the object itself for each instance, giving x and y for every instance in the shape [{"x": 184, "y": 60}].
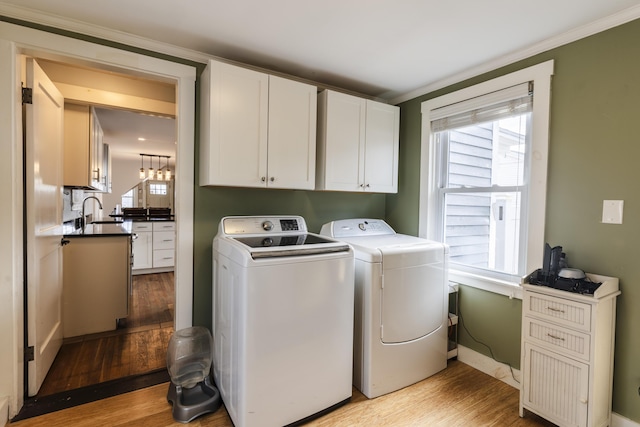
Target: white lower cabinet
[
  {"x": 142, "y": 245},
  {"x": 154, "y": 247},
  {"x": 567, "y": 355}
]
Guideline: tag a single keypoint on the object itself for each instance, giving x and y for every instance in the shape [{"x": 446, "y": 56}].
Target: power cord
[{"x": 461, "y": 321}]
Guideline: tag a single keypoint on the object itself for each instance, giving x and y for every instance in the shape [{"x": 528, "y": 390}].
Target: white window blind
[{"x": 507, "y": 102}]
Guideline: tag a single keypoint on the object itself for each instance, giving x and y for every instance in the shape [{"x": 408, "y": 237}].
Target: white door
[{"x": 43, "y": 169}]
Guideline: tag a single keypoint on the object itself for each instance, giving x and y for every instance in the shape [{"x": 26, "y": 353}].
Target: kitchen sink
[{"x": 107, "y": 222}]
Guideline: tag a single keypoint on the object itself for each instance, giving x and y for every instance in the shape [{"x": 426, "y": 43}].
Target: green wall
[
  {"x": 594, "y": 149},
  {"x": 213, "y": 203}
]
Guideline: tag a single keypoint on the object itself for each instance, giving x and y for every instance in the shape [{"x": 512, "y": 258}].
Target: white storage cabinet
[
  {"x": 257, "y": 130},
  {"x": 567, "y": 354},
  {"x": 357, "y": 144}
]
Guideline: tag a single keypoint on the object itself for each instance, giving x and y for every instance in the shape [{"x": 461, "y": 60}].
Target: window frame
[{"x": 429, "y": 219}]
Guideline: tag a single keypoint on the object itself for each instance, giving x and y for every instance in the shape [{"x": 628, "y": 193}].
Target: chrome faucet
[{"x": 83, "y": 219}]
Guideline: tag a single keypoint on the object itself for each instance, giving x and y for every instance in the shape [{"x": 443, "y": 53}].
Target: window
[
  {"x": 158, "y": 189},
  {"x": 483, "y": 175}
]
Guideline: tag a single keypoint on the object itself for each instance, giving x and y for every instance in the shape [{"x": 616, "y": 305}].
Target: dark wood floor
[{"x": 138, "y": 347}]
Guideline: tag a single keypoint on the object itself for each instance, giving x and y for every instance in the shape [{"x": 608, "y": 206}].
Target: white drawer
[
  {"x": 142, "y": 226},
  {"x": 569, "y": 313},
  {"x": 557, "y": 338},
  {"x": 164, "y": 225},
  {"x": 163, "y": 258},
  {"x": 164, "y": 240}
]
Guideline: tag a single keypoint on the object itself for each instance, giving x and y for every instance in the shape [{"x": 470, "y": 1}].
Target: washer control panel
[{"x": 242, "y": 225}]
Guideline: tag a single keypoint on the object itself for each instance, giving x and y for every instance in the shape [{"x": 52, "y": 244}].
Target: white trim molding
[{"x": 16, "y": 40}]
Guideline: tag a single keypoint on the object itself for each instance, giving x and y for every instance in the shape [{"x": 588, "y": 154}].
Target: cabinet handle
[
  {"x": 557, "y": 310},
  {"x": 64, "y": 242},
  {"x": 555, "y": 337},
  {"x": 263, "y": 179}
]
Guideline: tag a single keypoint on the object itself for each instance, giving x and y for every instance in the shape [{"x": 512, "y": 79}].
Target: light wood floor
[
  {"x": 137, "y": 348},
  {"x": 457, "y": 396}
]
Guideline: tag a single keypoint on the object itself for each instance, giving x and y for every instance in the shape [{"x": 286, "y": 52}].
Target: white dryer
[{"x": 401, "y": 305}]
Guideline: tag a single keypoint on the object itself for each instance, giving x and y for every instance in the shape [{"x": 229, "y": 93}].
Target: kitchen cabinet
[
  {"x": 96, "y": 283},
  {"x": 357, "y": 144},
  {"x": 83, "y": 149},
  {"x": 142, "y": 246},
  {"x": 567, "y": 354},
  {"x": 257, "y": 130},
  {"x": 154, "y": 247},
  {"x": 164, "y": 237}
]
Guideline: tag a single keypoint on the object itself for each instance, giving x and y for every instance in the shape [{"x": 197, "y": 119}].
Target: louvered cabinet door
[{"x": 556, "y": 386}]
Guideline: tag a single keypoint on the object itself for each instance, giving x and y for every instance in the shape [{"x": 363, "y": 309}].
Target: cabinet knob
[
  {"x": 263, "y": 179},
  {"x": 368, "y": 186},
  {"x": 272, "y": 179}
]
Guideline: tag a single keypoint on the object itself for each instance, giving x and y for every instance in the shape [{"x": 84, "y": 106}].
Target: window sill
[{"x": 501, "y": 287}]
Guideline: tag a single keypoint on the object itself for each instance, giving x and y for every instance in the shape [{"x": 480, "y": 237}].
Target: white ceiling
[
  {"x": 393, "y": 50},
  {"x": 381, "y": 48}
]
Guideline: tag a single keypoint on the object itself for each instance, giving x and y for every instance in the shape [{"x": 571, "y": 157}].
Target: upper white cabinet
[
  {"x": 83, "y": 148},
  {"x": 357, "y": 144},
  {"x": 256, "y": 130}
]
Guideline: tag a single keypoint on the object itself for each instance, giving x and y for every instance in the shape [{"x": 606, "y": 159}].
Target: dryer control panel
[{"x": 356, "y": 227}]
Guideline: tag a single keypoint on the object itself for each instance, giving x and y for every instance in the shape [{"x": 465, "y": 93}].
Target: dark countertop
[
  {"x": 98, "y": 230},
  {"x": 142, "y": 218}
]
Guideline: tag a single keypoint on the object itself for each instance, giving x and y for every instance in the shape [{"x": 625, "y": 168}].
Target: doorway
[
  {"x": 16, "y": 40},
  {"x": 138, "y": 345}
]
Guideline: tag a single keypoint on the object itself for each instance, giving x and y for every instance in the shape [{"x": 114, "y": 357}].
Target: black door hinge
[
  {"x": 29, "y": 354},
  {"x": 27, "y": 95}
]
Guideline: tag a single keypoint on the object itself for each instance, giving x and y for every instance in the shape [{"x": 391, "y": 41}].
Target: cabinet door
[
  {"x": 76, "y": 145},
  {"x": 292, "y": 134},
  {"x": 143, "y": 250},
  {"x": 381, "y": 149},
  {"x": 342, "y": 138},
  {"x": 234, "y": 126},
  {"x": 96, "y": 152},
  {"x": 555, "y": 387}
]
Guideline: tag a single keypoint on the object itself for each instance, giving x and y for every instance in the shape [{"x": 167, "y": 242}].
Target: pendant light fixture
[
  {"x": 151, "y": 172},
  {"x": 159, "y": 173},
  {"x": 167, "y": 172},
  {"x": 141, "y": 166}
]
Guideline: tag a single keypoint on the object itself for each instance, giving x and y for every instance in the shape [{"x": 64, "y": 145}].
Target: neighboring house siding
[{"x": 468, "y": 216}]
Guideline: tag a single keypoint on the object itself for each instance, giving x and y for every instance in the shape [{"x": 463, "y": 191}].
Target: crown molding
[
  {"x": 578, "y": 33},
  {"x": 46, "y": 19}
]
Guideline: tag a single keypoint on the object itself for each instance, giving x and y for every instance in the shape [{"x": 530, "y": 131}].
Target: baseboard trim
[
  {"x": 4, "y": 411},
  {"x": 489, "y": 366},
  {"x": 502, "y": 372}
]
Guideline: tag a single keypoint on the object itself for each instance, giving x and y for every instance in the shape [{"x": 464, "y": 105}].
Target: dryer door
[{"x": 413, "y": 294}]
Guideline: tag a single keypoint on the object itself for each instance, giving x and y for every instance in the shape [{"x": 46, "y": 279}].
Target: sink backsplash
[{"x": 71, "y": 203}]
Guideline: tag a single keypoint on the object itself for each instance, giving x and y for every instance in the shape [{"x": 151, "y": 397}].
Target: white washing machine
[
  {"x": 282, "y": 320},
  {"x": 401, "y": 305}
]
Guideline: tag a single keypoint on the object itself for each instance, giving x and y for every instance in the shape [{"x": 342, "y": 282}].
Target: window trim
[{"x": 428, "y": 223}]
